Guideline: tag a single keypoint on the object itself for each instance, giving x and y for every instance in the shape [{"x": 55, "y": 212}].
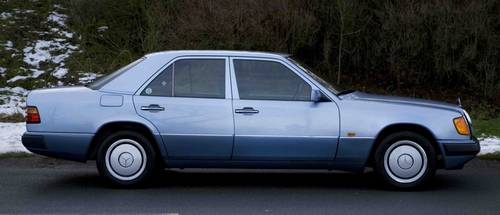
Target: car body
[{"x": 238, "y": 109}]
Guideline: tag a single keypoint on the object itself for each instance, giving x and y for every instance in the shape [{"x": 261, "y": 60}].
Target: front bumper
[
  {"x": 458, "y": 152},
  {"x": 70, "y": 146},
  {"x": 454, "y": 149}
]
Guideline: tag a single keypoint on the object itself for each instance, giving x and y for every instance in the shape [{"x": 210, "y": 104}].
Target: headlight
[{"x": 461, "y": 126}]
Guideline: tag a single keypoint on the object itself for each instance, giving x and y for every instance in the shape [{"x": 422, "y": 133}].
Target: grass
[
  {"x": 489, "y": 127},
  {"x": 491, "y": 156},
  {"x": 15, "y": 155}
]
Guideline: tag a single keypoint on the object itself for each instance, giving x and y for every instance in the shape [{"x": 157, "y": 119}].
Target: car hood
[{"x": 357, "y": 95}]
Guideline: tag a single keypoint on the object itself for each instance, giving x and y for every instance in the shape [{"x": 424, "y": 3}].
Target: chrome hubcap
[
  {"x": 125, "y": 159},
  {"x": 405, "y": 161}
]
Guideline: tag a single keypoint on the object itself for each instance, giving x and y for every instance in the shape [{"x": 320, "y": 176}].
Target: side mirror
[{"x": 317, "y": 96}]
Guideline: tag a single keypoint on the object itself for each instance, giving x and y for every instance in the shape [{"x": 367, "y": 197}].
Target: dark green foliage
[{"x": 431, "y": 49}]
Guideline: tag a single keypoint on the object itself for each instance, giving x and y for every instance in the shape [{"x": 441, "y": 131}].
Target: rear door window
[{"x": 196, "y": 78}]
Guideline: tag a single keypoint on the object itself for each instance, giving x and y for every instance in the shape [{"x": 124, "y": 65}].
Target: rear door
[
  {"x": 275, "y": 118},
  {"x": 190, "y": 104}
]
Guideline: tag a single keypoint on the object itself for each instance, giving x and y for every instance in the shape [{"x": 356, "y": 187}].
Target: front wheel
[
  {"x": 405, "y": 160},
  {"x": 126, "y": 158}
]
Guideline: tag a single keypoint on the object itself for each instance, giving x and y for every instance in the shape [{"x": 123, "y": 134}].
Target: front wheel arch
[{"x": 400, "y": 127}]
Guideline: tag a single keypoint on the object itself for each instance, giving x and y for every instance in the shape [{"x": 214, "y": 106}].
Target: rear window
[{"x": 99, "y": 83}]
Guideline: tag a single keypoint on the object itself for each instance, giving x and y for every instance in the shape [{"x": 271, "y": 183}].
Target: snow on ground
[
  {"x": 12, "y": 100},
  {"x": 10, "y": 139},
  {"x": 41, "y": 51},
  {"x": 489, "y": 144}
]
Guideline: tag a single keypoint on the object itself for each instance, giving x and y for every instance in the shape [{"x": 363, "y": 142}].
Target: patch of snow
[
  {"x": 42, "y": 49},
  {"x": 17, "y": 78},
  {"x": 102, "y": 29},
  {"x": 36, "y": 73},
  {"x": 5, "y": 15},
  {"x": 37, "y": 53},
  {"x": 8, "y": 45},
  {"x": 17, "y": 90},
  {"x": 13, "y": 105},
  {"x": 489, "y": 144},
  {"x": 23, "y": 11},
  {"x": 58, "y": 18},
  {"x": 61, "y": 33},
  {"x": 2, "y": 70},
  {"x": 87, "y": 77},
  {"x": 61, "y": 72},
  {"x": 13, "y": 100},
  {"x": 10, "y": 137},
  {"x": 66, "y": 34}
]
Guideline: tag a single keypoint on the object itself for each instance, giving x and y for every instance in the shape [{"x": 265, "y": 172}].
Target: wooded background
[{"x": 430, "y": 49}]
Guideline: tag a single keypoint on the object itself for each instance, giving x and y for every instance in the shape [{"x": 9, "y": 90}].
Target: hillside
[{"x": 35, "y": 44}]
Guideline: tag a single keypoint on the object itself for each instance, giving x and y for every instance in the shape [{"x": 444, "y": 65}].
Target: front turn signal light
[{"x": 461, "y": 125}]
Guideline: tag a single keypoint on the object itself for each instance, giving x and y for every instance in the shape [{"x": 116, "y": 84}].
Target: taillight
[{"x": 32, "y": 115}]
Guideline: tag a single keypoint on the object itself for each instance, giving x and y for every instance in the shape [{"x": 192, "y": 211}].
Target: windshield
[
  {"x": 315, "y": 77},
  {"x": 100, "y": 82}
]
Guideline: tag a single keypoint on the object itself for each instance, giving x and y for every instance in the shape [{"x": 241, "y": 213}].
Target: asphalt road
[{"x": 40, "y": 185}]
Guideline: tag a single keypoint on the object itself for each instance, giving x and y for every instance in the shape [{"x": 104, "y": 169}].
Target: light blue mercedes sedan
[{"x": 237, "y": 109}]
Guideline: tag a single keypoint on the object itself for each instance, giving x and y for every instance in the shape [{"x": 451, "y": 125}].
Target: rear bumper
[
  {"x": 70, "y": 146},
  {"x": 458, "y": 152}
]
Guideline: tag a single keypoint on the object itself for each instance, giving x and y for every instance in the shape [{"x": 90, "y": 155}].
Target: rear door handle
[
  {"x": 246, "y": 110},
  {"x": 153, "y": 107}
]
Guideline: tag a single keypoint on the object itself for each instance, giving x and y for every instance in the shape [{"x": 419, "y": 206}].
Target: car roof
[
  {"x": 132, "y": 79},
  {"x": 220, "y": 53}
]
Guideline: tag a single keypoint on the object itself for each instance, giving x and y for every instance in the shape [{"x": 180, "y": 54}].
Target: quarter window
[
  {"x": 161, "y": 85},
  {"x": 269, "y": 80},
  {"x": 201, "y": 78}
]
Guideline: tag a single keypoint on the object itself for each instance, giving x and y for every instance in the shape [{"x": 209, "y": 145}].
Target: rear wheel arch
[
  {"x": 400, "y": 127},
  {"x": 111, "y": 127}
]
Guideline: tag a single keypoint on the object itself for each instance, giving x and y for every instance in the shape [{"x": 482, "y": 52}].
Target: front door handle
[
  {"x": 153, "y": 107},
  {"x": 246, "y": 110}
]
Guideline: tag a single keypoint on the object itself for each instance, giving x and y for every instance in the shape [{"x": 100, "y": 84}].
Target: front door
[
  {"x": 275, "y": 118},
  {"x": 190, "y": 104}
]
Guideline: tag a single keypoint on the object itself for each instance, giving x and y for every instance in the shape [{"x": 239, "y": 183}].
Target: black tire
[
  {"x": 398, "y": 155},
  {"x": 146, "y": 163}
]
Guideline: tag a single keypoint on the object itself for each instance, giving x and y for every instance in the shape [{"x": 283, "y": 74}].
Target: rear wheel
[
  {"x": 126, "y": 158},
  {"x": 405, "y": 160}
]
